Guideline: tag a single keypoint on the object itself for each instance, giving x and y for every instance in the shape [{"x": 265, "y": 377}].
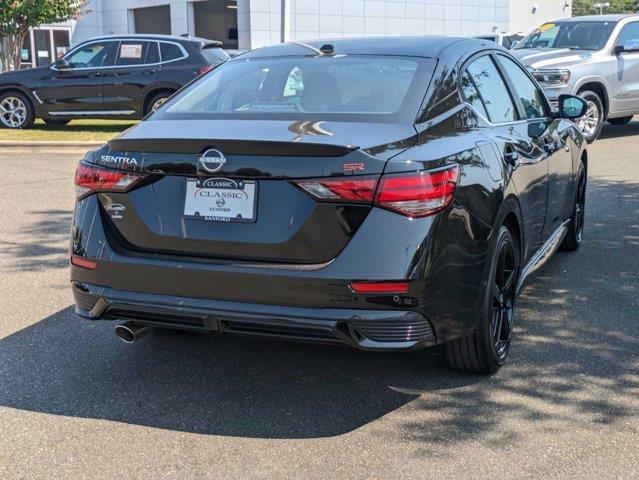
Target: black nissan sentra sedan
[{"x": 387, "y": 194}]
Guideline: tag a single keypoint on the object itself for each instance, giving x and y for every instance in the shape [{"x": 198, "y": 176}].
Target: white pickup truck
[{"x": 596, "y": 57}]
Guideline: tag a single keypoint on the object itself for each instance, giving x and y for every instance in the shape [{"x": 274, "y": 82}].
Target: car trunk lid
[{"x": 282, "y": 224}]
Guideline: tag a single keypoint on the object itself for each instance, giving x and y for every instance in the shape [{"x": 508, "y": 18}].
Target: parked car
[
  {"x": 115, "y": 76},
  {"x": 596, "y": 57},
  {"x": 506, "y": 40},
  {"x": 386, "y": 193}
]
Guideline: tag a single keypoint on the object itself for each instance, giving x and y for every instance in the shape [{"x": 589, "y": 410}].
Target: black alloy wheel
[
  {"x": 485, "y": 350},
  {"x": 503, "y": 298},
  {"x": 577, "y": 221}
]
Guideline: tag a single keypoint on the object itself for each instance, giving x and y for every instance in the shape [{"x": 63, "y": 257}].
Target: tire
[
  {"x": 155, "y": 101},
  {"x": 620, "y": 120},
  {"x": 16, "y": 111},
  {"x": 591, "y": 123},
  {"x": 572, "y": 240},
  {"x": 485, "y": 350},
  {"x": 55, "y": 121}
]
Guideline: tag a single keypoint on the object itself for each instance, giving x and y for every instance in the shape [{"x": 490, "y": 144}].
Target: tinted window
[
  {"x": 94, "y": 55},
  {"x": 214, "y": 55},
  {"x": 629, "y": 32},
  {"x": 492, "y": 90},
  {"x": 530, "y": 96},
  {"x": 170, "y": 51},
  {"x": 572, "y": 35},
  {"x": 132, "y": 53},
  {"x": 298, "y": 87},
  {"x": 471, "y": 94},
  {"x": 509, "y": 39},
  {"x": 153, "y": 53}
]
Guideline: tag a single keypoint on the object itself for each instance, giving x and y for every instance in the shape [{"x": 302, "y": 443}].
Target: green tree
[
  {"x": 17, "y": 16},
  {"x": 586, "y": 7}
]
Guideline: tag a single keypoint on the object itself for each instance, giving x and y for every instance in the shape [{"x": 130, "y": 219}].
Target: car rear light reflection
[
  {"x": 414, "y": 194},
  {"x": 418, "y": 194},
  {"x": 83, "y": 262},
  {"x": 351, "y": 189},
  {"x": 90, "y": 179},
  {"x": 379, "y": 287},
  {"x": 204, "y": 69}
]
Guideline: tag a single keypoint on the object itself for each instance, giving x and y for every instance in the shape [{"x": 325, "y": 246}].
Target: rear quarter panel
[{"x": 454, "y": 254}]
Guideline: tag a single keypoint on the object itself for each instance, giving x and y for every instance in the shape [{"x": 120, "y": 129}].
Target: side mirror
[
  {"x": 514, "y": 44},
  {"x": 629, "y": 46},
  {"x": 61, "y": 64},
  {"x": 572, "y": 106}
]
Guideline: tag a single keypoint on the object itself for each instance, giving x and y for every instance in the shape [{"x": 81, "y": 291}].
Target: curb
[{"x": 47, "y": 146}]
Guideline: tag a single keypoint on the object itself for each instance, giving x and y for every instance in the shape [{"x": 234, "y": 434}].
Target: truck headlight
[{"x": 552, "y": 77}]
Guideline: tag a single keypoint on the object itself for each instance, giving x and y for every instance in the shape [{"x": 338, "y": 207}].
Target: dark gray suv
[{"x": 123, "y": 76}]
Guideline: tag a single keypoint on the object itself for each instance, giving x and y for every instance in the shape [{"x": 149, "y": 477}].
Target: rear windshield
[
  {"x": 340, "y": 88},
  {"x": 572, "y": 35},
  {"x": 214, "y": 55}
]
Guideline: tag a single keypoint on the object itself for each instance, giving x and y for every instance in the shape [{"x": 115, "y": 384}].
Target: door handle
[
  {"x": 95, "y": 74},
  {"x": 148, "y": 72},
  {"x": 550, "y": 145},
  {"x": 510, "y": 155}
]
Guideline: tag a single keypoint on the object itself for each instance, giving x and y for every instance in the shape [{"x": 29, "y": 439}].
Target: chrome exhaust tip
[{"x": 130, "y": 332}]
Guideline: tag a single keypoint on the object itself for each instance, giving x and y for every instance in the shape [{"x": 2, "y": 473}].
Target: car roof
[
  {"x": 597, "y": 18},
  {"x": 428, "y": 47},
  {"x": 496, "y": 34},
  {"x": 158, "y": 36}
]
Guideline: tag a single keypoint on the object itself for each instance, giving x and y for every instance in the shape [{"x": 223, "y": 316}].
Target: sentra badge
[{"x": 119, "y": 160}]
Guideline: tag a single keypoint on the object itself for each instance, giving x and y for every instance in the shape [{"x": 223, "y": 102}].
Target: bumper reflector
[
  {"x": 83, "y": 262},
  {"x": 379, "y": 287}
]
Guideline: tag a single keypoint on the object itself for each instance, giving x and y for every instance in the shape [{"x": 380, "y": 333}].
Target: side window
[
  {"x": 170, "y": 51},
  {"x": 544, "y": 36},
  {"x": 471, "y": 94},
  {"x": 629, "y": 32},
  {"x": 492, "y": 90},
  {"x": 132, "y": 53},
  {"x": 153, "y": 53},
  {"x": 94, "y": 55},
  {"x": 531, "y": 97}
]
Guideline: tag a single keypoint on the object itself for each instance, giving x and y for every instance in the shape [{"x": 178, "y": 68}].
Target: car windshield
[
  {"x": 572, "y": 35},
  {"x": 340, "y": 88}
]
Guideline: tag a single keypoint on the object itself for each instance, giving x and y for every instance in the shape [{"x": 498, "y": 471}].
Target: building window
[
  {"x": 153, "y": 19},
  {"x": 216, "y": 20}
]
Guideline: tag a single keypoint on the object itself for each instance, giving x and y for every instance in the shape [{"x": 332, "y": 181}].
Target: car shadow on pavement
[
  {"x": 205, "y": 383},
  {"x": 575, "y": 360},
  {"x": 43, "y": 244},
  {"x": 619, "y": 131}
]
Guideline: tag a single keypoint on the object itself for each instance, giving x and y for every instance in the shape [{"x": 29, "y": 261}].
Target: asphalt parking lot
[{"x": 75, "y": 402}]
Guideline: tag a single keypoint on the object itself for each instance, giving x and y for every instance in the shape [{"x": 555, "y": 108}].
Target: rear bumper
[{"x": 362, "y": 329}]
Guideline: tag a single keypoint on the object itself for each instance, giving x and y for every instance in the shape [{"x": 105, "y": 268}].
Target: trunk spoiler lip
[{"x": 229, "y": 147}]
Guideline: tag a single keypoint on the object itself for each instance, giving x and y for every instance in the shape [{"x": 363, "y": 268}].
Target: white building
[
  {"x": 254, "y": 23},
  {"x": 249, "y": 24}
]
